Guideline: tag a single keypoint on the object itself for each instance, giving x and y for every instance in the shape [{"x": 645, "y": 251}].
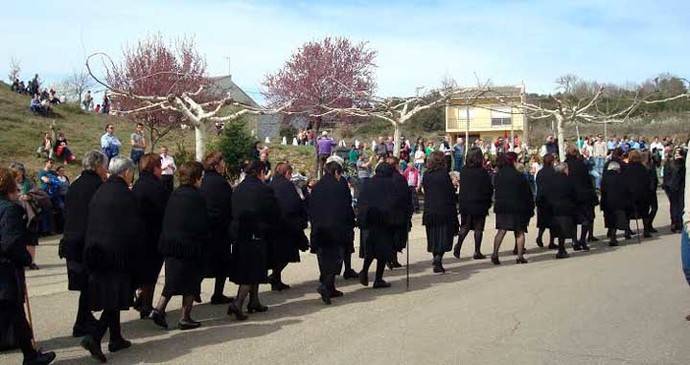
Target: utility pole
[{"x": 229, "y": 68}]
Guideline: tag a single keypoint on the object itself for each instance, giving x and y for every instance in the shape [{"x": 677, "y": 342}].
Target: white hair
[
  {"x": 119, "y": 165},
  {"x": 561, "y": 168},
  {"x": 93, "y": 159}
]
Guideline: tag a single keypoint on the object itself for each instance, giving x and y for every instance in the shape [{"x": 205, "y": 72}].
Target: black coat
[
  {"x": 544, "y": 183},
  {"x": 402, "y": 211},
  {"x": 440, "y": 206},
  {"x": 288, "y": 237},
  {"x": 255, "y": 212},
  {"x": 218, "y": 194},
  {"x": 560, "y": 196},
  {"x": 331, "y": 213},
  {"x": 375, "y": 215},
  {"x": 513, "y": 194},
  {"x": 637, "y": 179},
  {"x": 615, "y": 192},
  {"x": 184, "y": 238},
  {"x": 152, "y": 197},
  {"x": 476, "y": 191},
  {"x": 584, "y": 186},
  {"x": 76, "y": 215},
  {"x": 13, "y": 254},
  {"x": 113, "y": 236}
]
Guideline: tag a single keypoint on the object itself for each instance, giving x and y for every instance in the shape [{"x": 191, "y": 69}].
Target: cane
[
  {"x": 28, "y": 312},
  {"x": 407, "y": 265},
  {"x": 637, "y": 227}
]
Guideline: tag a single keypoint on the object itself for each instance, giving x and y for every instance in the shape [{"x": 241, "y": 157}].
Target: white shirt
[
  {"x": 168, "y": 165},
  {"x": 419, "y": 156}
]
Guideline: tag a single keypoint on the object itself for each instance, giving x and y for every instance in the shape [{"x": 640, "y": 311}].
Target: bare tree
[
  {"x": 76, "y": 84},
  {"x": 201, "y": 115},
  {"x": 580, "y": 102},
  {"x": 15, "y": 69}
]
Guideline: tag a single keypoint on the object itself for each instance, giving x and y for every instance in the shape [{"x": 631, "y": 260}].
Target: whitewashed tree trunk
[
  {"x": 561, "y": 138},
  {"x": 396, "y": 139},
  {"x": 200, "y": 132}
]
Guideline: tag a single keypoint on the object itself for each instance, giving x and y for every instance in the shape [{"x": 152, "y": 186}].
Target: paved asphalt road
[{"x": 623, "y": 305}]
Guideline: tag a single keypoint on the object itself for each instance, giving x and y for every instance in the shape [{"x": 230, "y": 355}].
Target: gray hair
[
  {"x": 119, "y": 165},
  {"x": 93, "y": 159},
  {"x": 18, "y": 166},
  {"x": 561, "y": 168},
  {"x": 613, "y": 165}
]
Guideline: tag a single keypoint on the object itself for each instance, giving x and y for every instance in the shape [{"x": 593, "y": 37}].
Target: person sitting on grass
[{"x": 62, "y": 149}]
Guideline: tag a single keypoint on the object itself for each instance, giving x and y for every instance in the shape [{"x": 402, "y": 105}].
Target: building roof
[
  {"x": 492, "y": 92},
  {"x": 224, "y": 85}
]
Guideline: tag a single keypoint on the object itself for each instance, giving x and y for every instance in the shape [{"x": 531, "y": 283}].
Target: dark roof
[
  {"x": 223, "y": 85},
  {"x": 492, "y": 92}
]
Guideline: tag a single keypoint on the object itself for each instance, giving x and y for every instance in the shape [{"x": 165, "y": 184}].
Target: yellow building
[{"x": 487, "y": 115}]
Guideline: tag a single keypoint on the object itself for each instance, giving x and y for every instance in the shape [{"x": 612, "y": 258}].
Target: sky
[{"x": 418, "y": 42}]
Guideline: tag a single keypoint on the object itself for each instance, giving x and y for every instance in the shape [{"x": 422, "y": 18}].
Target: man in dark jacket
[
  {"x": 113, "y": 234},
  {"x": 586, "y": 197},
  {"x": 288, "y": 239},
  {"x": 152, "y": 197},
  {"x": 72, "y": 244},
  {"x": 218, "y": 195},
  {"x": 333, "y": 221}
]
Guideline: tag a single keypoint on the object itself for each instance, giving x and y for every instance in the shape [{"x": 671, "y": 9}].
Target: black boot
[{"x": 40, "y": 358}]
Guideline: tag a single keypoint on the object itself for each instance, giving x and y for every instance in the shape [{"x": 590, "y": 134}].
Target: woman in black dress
[
  {"x": 375, "y": 210},
  {"x": 674, "y": 186},
  {"x": 288, "y": 238},
  {"x": 113, "y": 238},
  {"x": 637, "y": 179},
  {"x": 514, "y": 205},
  {"x": 440, "y": 211},
  {"x": 476, "y": 191},
  {"x": 255, "y": 212},
  {"x": 218, "y": 194},
  {"x": 560, "y": 196},
  {"x": 13, "y": 258},
  {"x": 650, "y": 163},
  {"x": 586, "y": 197},
  {"x": 615, "y": 202},
  {"x": 544, "y": 213},
  {"x": 152, "y": 198},
  {"x": 184, "y": 238}
]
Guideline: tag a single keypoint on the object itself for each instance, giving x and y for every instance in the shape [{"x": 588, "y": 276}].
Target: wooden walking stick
[
  {"x": 637, "y": 227},
  {"x": 28, "y": 313},
  {"x": 407, "y": 264}
]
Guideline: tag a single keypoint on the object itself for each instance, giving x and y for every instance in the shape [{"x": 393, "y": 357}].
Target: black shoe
[
  {"x": 577, "y": 247},
  {"x": 350, "y": 274},
  {"x": 540, "y": 243},
  {"x": 117, "y": 345},
  {"x": 628, "y": 236},
  {"x": 515, "y": 251},
  {"x": 138, "y": 303},
  {"x": 40, "y": 358},
  {"x": 456, "y": 251},
  {"x": 159, "y": 318},
  {"x": 592, "y": 239},
  {"x": 188, "y": 324},
  {"x": 33, "y": 266},
  {"x": 79, "y": 331},
  {"x": 364, "y": 278},
  {"x": 90, "y": 344},
  {"x": 220, "y": 299},
  {"x": 478, "y": 256},
  {"x": 613, "y": 243},
  {"x": 279, "y": 286},
  {"x": 647, "y": 234},
  {"x": 197, "y": 299},
  {"x": 562, "y": 255},
  {"x": 495, "y": 260},
  {"x": 325, "y": 295},
  {"x": 521, "y": 260},
  {"x": 251, "y": 308},
  {"x": 237, "y": 312},
  {"x": 438, "y": 269},
  {"x": 653, "y": 230},
  {"x": 144, "y": 313},
  {"x": 552, "y": 246},
  {"x": 585, "y": 247},
  {"x": 335, "y": 293},
  {"x": 395, "y": 264},
  {"x": 380, "y": 284}
]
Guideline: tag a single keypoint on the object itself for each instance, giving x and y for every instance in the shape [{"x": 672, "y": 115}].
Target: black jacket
[
  {"x": 584, "y": 186},
  {"x": 13, "y": 254},
  {"x": 615, "y": 193},
  {"x": 512, "y": 193},
  {"x": 185, "y": 232},
  {"x": 476, "y": 191},
  {"x": 218, "y": 195},
  {"x": 77, "y": 214},
  {"x": 152, "y": 199},
  {"x": 288, "y": 236},
  {"x": 560, "y": 195},
  {"x": 440, "y": 206},
  {"x": 636, "y": 178},
  {"x": 114, "y": 229},
  {"x": 331, "y": 213}
]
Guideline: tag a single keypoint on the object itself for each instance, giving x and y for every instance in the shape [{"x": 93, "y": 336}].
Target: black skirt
[
  {"x": 249, "y": 262},
  {"x": 330, "y": 260},
  {"x": 512, "y": 222},
  {"x": 377, "y": 244},
  {"x": 472, "y": 222},
  {"x": 563, "y": 227},
  {"x": 400, "y": 237},
  {"x": 544, "y": 218},
  {"x": 585, "y": 214},
  {"x": 149, "y": 270},
  {"x": 284, "y": 248},
  {"x": 182, "y": 277},
  {"x": 617, "y": 219},
  {"x": 77, "y": 276},
  {"x": 217, "y": 261},
  {"x": 439, "y": 239},
  {"x": 110, "y": 291}
]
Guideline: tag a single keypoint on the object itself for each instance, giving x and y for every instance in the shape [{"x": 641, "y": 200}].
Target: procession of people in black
[{"x": 119, "y": 232}]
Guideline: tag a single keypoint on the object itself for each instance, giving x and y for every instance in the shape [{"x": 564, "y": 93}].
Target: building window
[
  {"x": 501, "y": 116},
  {"x": 464, "y": 111}
]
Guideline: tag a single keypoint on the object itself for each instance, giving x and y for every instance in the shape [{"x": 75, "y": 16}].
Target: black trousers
[
  {"x": 330, "y": 263},
  {"x": 110, "y": 320},
  {"x": 168, "y": 182},
  {"x": 16, "y": 319}
]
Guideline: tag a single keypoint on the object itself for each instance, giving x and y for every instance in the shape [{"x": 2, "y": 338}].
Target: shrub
[{"x": 235, "y": 143}]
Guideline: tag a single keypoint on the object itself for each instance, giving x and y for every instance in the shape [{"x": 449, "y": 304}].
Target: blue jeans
[
  {"x": 599, "y": 168},
  {"x": 685, "y": 254},
  {"x": 136, "y": 155},
  {"x": 457, "y": 166}
]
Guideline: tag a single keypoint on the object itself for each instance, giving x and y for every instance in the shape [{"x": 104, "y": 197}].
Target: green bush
[
  {"x": 235, "y": 143},
  {"x": 288, "y": 131}
]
